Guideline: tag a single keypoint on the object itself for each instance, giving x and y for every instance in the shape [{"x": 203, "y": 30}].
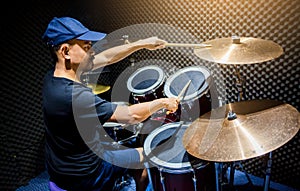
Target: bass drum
[
  {"x": 146, "y": 84},
  {"x": 198, "y": 98},
  {"x": 171, "y": 167}
]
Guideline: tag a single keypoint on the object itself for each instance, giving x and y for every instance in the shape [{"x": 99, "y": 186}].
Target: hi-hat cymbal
[
  {"x": 260, "y": 126},
  {"x": 239, "y": 50},
  {"x": 98, "y": 89}
]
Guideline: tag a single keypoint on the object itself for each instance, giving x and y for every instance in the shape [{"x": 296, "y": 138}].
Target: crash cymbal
[
  {"x": 98, "y": 89},
  {"x": 239, "y": 50},
  {"x": 254, "y": 128}
]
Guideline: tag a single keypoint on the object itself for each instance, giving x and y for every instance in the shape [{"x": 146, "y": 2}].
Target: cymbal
[
  {"x": 98, "y": 89},
  {"x": 239, "y": 50},
  {"x": 255, "y": 128}
]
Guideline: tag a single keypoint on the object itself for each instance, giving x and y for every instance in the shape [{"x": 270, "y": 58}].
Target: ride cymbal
[
  {"x": 253, "y": 128},
  {"x": 239, "y": 50}
]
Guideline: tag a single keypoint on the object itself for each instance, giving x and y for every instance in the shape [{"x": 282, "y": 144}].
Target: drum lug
[
  {"x": 194, "y": 180},
  {"x": 208, "y": 95},
  {"x": 162, "y": 179}
]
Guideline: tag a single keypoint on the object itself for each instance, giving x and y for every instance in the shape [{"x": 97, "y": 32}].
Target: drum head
[
  {"x": 165, "y": 149},
  {"x": 176, "y": 82},
  {"x": 145, "y": 79}
]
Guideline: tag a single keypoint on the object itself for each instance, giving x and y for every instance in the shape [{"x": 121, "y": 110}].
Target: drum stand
[{"x": 149, "y": 176}]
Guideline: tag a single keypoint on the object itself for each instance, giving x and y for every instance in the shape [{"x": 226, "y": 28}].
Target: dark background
[{"x": 25, "y": 59}]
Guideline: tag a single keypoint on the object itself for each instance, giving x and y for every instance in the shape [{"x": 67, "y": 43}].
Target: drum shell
[
  {"x": 175, "y": 166},
  {"x": 183, "y": 181},
  {"x": 146, "y": 84}
]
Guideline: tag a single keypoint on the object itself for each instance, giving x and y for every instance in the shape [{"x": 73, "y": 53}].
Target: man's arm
[{"x": 115, "y": 54}]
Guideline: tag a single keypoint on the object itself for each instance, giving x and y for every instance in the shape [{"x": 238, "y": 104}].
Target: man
[{"x": 75, "y": 157}]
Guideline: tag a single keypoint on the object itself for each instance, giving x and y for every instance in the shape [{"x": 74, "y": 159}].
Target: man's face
[{"x": 81, "y": 54}]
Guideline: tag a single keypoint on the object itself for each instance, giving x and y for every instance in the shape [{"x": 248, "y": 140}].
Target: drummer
[{"x": 75, "y": 159}]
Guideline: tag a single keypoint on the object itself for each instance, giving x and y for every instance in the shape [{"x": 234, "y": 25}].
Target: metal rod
[
  {"x": 149, "y": 176},
  {"x": 239, "y": 83},
  {"x": 194, "y": 180},
  {"x": 162, "y": 179},
  {"x": 218, "y": 172},
  {"x": 231, "y": 175},
  {"x": 268, "y": 173}
]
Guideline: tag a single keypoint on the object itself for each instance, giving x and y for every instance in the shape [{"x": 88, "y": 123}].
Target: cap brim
[{"x": 92, "y": 36}]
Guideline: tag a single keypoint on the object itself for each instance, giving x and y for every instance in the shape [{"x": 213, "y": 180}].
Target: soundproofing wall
[{"x": 25, "y": 59}]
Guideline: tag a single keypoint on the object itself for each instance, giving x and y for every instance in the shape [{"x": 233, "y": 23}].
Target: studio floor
[{"x": 241, "y": 183}]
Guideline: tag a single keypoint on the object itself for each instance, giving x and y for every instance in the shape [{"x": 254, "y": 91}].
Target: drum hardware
[
  {"x": 125, "y": 38},
  {"x": 115, "y": 127},
  {"x": 239, "y": 84},
  {"x": 146, "y": 164},
  {"x": 162, "y": 179},
  {"x": 135, "y": 135},
  {"x": 132, "y": 61},
  {"x": 232, "y": 167},
  {"x": 268, "y": 172},
  {"x": 194, "y": 179},
  {"x": 112, "y": 128}
]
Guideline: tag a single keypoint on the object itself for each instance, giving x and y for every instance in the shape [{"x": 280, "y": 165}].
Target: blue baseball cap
[{"x": 62, "y": 29}]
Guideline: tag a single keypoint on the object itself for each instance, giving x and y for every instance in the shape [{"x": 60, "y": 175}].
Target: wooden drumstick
[
  {"x": 188, "y": 45},
  {"x": 182, "y": 92}
]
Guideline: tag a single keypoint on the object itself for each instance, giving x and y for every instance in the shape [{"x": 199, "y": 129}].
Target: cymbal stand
[
  {"x": 232, "y": 171},
  {"x": 239, "y": 83},
  {"x": 240, "y": 86},
  {"x": 268, "y": 173},
  {"x": 231, "y": 115}
]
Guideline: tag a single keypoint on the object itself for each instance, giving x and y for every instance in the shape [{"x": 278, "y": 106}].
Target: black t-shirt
[{"x": 72, "y": 116}]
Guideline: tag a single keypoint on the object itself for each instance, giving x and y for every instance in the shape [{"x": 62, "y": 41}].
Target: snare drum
[
  {"x": 146, "y": 84},
  {"x": 172, "y": 168},
  {"x": 119, "y": 133},
  {"x": 197, "y": 99}
]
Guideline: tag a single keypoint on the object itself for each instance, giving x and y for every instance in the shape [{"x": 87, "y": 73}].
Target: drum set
[{"x": 184, "y": 152}]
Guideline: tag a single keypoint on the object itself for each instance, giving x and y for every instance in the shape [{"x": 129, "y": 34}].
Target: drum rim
[
  {"x": 185, "y": 166},
  {"x": 159, "y": 81},
  {"x": 194, "y": 95}
]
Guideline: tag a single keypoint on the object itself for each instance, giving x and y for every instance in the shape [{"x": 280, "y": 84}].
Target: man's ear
[{"x": 65, "y": 51}]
